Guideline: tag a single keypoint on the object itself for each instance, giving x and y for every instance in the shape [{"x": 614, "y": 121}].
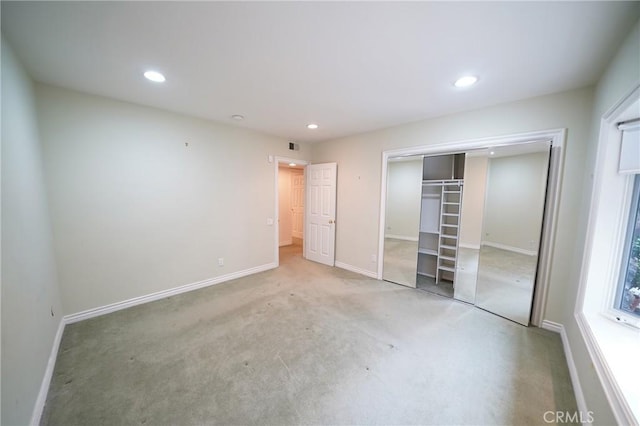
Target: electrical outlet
[
  {"x": 373, "y": 258},
  {"x": 221, "y": 261}
]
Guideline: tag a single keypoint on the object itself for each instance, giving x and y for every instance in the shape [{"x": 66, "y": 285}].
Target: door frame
[
  {"x": 276, "y": 208},
  {"x": 556, "y": 168}
]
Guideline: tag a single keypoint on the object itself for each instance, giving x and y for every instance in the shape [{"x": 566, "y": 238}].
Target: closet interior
[{"x": 442, "y": 186}]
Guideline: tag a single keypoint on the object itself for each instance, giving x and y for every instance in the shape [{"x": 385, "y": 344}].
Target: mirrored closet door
[
  {"x": 468, "y": 225},
  {"x": 472, "y": 213},
  {"x": 402, "y": 213},
  {"x": 515, "y": 196}
]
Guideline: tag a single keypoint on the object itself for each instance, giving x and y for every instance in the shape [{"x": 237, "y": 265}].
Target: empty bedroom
[{"x": 248, "y": 213}]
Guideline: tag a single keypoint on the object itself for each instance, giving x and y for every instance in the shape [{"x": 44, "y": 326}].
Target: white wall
[
  {"x": 404, "y": 186},
  {"x": 31, "y": 307},
  {"x": 136, "y": 211},
  {"x": 473, "y": 195},
  {"x": 515, "y": 201},
  {"x": 284, "y": 206}
]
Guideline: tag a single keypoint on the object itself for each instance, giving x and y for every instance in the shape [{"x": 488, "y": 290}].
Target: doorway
[{"x": 290, "y": 209}]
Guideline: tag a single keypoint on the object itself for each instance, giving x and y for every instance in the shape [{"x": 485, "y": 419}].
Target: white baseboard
[
  {"x": 401, "y": 237},
  {"x": 469, "y": 246},
  {"x": 357, "y": 270},
  {"x": 552, "y": 326},
  {"x": 286, "y": 242},
  {"x": 102, "y": 310},
  {"x": 510, "y": 248},
  {"x": 573, "y": 371},
  {"x": 48, "y": 374}
]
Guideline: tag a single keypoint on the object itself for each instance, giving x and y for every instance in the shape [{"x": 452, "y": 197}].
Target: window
[
  {"x": 628, "y": 293},
  {"x": 605, "y": 313}
]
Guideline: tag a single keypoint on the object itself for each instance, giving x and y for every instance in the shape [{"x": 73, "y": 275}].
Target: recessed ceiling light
[
  {"x": 312, "y": 126},
  {"x": 466, "y": 81},
  {"x": 492, "y": 153},
  {"x": 154, "y": 76},
  {"x": 237, "y": 117},
  {"x": 292, "y": 164}
]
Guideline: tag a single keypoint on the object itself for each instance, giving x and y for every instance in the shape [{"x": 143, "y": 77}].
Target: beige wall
[
  {"x": 31, "y": 307},
  {"x": 472, "y": 211},
  {"x": 136, "y": 211},
  {"x": 404, "y": 188}
]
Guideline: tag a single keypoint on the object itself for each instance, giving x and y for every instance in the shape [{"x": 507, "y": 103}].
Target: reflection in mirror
[
  {"x": 475, "y": 178},
  {"x": 402, "y": 220},
  {"x": 512, "y": 225}
]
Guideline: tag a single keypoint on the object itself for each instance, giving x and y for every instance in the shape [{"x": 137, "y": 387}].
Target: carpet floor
[{"x": 306, "y": 344}]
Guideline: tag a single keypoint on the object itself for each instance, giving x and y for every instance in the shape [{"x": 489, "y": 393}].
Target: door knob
[{"x": 332, "y": 221}]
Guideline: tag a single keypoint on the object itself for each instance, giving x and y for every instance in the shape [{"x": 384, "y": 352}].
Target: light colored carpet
[{"x": 306, "y": 344}]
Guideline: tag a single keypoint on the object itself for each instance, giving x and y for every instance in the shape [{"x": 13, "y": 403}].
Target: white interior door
[
  {"x": 297, "y": 203},
  {"x": 320, "y": 239}
]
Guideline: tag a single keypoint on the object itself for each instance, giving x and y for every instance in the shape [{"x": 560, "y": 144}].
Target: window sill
[{"x": 615, "y": 351}]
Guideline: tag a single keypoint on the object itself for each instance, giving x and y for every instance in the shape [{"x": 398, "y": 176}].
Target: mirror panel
[
  {"x": 511, "y": 231},
  {"x": 475, "y": 173},
  {"x": 402, "y": 220}
]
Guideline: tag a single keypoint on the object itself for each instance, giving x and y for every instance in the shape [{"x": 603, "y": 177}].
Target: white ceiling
[{"x": 351, "y": 67}]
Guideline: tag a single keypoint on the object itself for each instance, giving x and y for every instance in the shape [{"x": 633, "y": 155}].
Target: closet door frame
[{"x": 557, "y": 138}]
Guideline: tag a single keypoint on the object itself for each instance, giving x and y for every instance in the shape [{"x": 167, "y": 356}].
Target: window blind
[{"x": 630, "y": 148}]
